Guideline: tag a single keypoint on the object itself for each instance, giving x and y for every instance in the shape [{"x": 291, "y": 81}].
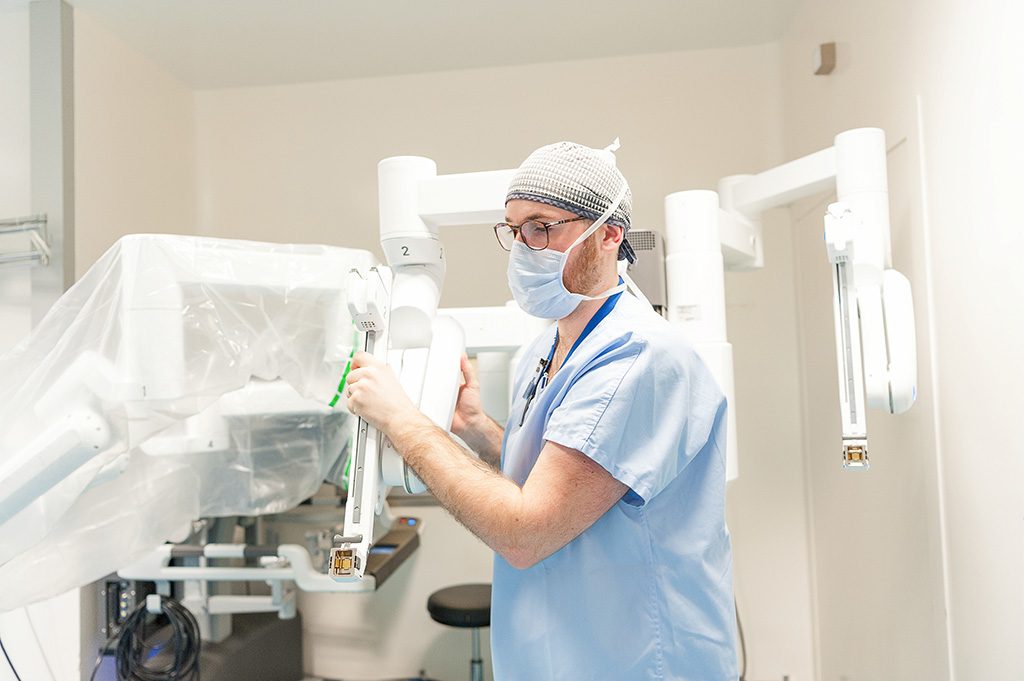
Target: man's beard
[{"x": 585, "y": 272}]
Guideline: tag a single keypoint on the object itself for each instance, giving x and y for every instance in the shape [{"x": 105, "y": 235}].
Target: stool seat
[{"x": 465, "y": 605}]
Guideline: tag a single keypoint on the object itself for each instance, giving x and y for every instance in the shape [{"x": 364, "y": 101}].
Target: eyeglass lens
[{"x": 535, "y": 235}]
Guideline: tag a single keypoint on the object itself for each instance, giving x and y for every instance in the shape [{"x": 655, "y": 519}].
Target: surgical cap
[{"x": 578, "y": 179}]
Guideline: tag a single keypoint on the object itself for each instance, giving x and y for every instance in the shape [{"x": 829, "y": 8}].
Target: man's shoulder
[
  {"x": 665, "y": 341},
  {"x": 664, "y": 354}
]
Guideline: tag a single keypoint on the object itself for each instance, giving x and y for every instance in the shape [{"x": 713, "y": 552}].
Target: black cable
[
  {"x": 9, "y": 663},
  {"x": 99, "y": 658},
  {"x": 743, "y": 643},
  {"x": 134, "y": 654}
]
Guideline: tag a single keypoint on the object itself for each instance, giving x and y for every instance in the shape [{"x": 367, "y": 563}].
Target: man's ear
[{"x": 613, "y": 236}]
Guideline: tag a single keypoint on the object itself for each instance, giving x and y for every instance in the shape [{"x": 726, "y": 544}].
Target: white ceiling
[{"x": 223, "y": 43}]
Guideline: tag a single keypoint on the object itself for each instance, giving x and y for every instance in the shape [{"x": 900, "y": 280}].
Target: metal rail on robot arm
[{"x": 872, "y": 303}]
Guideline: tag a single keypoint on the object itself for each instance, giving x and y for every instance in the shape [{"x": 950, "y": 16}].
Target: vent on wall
[
  {"x": 643, "y": 240},
  {"x": 648, "y": 272}
]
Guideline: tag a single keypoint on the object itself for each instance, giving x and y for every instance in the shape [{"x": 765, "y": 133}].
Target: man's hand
[
  {"x": 471, "y": 423},
  {"x": 375, "y": 395},
  {"x": 469, "y": 411}
]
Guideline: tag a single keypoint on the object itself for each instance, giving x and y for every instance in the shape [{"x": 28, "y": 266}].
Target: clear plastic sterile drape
[{"x": 181, "y": 377}]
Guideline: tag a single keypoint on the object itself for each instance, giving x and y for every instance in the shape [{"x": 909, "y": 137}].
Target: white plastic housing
[
  {"x": 398, "y": 181},
  {"x": 898, "y": 303},
  {"x": 59, "y": 450},
  {"x": 431, "y": 378},
  {"x": 442, "y": 380},
  {"x": 873, "y": 345},
  {"x": 152, "y": 350},
  {"x": 414, "y": 298},
  {"x": 367, "y": 299}
]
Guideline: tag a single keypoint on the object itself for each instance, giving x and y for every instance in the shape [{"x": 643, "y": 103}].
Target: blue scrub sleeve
[{"x": 641, "y": 414}]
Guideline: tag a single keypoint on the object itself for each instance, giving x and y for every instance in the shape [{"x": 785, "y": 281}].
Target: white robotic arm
[
  {"x": 874, "y": 325},
  {"x": 421, "y": 346},
  {"x": 182, "y": 377},
  {"x": 708, "y": 232}
]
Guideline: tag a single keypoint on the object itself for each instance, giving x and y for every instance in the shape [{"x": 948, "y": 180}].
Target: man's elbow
[
  {"x": 528, "y": 539},
  {"x": 528, "y": 552},
  {"x": 521, "y": 557}
]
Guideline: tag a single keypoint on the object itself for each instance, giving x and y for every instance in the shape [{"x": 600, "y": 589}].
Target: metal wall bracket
[{"x": 34, "y": 226}]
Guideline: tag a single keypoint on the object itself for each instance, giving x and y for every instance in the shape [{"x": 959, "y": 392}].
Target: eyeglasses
[{"x": 534, "y": 233}]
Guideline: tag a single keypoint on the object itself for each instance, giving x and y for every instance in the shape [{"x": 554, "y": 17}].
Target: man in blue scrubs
[{"x": 603, "y": 496}]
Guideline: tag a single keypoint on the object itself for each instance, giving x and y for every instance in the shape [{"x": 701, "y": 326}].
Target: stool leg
[{"x": 476, "y": 665}]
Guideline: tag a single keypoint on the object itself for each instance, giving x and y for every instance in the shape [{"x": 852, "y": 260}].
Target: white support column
[
  {"x": 693, "y": 263},
  {"x": 695, "y": 275},
  {"x": 862, "y": 183}
]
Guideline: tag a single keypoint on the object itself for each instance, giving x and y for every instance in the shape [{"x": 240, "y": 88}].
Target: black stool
[{"x": 467, "y": 606}]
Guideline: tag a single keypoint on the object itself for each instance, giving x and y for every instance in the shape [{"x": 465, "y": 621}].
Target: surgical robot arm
[
  {"x": 163, "y": 356},
  {"x": 873, "y": 307},
  {"x": 708, "y": 232}
]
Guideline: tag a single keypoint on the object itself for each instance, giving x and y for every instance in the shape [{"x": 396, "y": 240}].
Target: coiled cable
[{"x": 136, "y": 657}]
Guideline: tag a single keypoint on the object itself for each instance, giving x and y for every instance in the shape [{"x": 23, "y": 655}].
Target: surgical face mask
[{"x": 535, "y": 277}]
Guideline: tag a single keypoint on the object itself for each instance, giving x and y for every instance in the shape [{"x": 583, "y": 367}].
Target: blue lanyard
[
  {"x": 591, "y": 325},
  {"x": 531, "y": 389}
]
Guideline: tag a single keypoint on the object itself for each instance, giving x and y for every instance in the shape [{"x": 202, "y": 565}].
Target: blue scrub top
[{"x": 646, "y": 591}]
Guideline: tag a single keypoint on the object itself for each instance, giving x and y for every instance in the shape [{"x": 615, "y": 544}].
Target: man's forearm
[
  {"x": 485, "y": 439},
  {"x": 481, "y": 498}
]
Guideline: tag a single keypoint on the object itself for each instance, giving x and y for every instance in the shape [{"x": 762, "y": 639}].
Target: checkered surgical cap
[{"x": 578, "y": 179}]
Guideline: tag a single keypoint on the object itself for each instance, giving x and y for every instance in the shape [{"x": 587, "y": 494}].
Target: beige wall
[
  {"x": 767, "y": 503},
  {"x": 944, "y": 487},
  {"x": 134, "y": 145},
  {"x": 298, "y": 163}
]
